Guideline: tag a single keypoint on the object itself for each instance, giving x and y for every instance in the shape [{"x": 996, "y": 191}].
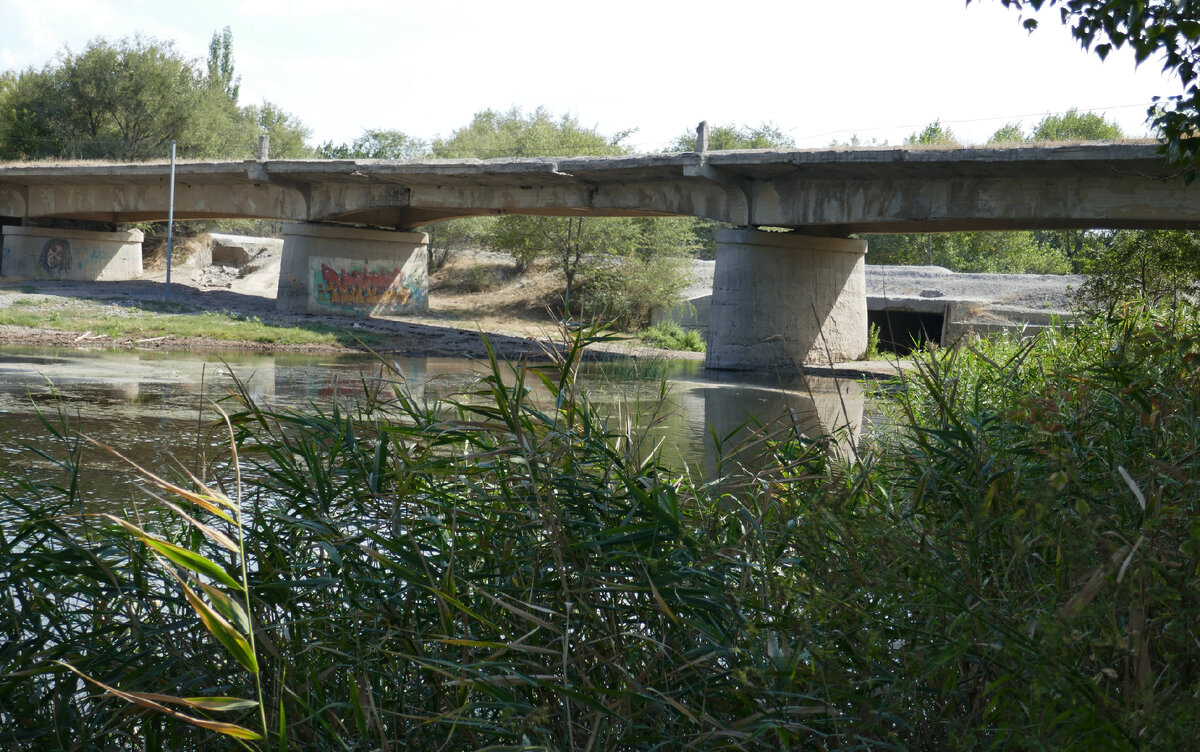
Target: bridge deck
[{"x": 828, "y": 191}]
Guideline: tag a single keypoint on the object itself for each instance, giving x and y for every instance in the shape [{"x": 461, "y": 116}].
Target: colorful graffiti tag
[{"x": 383, "y": 287}]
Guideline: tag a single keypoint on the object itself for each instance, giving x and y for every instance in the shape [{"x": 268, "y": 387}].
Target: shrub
[{"x": 670, "y": 336}]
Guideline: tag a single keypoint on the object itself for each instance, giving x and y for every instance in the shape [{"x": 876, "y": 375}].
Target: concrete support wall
[
  {"x": 51, "y": 253},
  {"x": 346, "y": 271},
  {"x": 781, "y": 300}
]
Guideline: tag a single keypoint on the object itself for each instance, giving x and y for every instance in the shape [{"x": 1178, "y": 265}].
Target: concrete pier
[
  {"x": 55, "y": 253},
  {"x": 347, "y": 271},
  {"x": 783, "y": 299}
]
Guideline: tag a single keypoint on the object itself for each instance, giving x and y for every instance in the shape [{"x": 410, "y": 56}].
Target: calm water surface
[{"x": 156, "y": 407}]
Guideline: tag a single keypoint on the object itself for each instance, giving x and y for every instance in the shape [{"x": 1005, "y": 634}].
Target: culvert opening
[{"x": 901, "y": 331}]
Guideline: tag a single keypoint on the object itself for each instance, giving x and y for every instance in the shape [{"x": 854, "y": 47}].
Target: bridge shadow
[{"x": 391, "y": 335}]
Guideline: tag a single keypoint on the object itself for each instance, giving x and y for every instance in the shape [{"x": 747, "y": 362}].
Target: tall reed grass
[{"x": 1012, "y": 564}]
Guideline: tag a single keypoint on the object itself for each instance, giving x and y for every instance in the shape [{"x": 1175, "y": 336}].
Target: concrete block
[
  {"x": 87, "y": 255},
  {"x": 330, "y": 269}
]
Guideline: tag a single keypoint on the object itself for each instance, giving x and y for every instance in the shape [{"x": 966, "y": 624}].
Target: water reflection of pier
[{"x": 161, "y": 401}]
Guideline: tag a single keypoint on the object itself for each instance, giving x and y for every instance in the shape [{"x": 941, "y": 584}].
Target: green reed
[{"x": 1011, "y": 564}]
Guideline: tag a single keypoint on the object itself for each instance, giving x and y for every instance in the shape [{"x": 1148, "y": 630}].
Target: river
[{"x": 157, "y": 407}]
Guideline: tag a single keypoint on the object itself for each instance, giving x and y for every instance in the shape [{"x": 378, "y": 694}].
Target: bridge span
[{"x": 779, "y": 299}]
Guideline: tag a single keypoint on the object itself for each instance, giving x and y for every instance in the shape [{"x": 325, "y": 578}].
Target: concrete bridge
[{"x": 779, "y": 299}]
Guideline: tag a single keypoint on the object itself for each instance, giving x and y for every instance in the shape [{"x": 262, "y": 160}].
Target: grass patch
[
  {"x": 156, "y": 319},
  {"x": 670, "y": 336}
]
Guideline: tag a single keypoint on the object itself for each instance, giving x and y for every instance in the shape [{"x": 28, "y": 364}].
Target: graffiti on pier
[
  {"x": 369, "y": 287},
  {"x": 55, "y": 259}
]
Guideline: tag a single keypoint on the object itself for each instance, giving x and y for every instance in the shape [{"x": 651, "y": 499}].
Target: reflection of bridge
[{"x": 778, "y": 298}]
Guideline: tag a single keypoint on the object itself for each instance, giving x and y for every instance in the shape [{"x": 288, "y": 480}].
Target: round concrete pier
[{"x": 783, "y": 299}]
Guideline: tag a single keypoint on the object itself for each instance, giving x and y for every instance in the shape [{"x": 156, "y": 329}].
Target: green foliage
[
  {"x": 376, "y": 144},
  {"x": 872, "y": 352},
  {"x": 736, "y": 137},
  {"x": 285, "y": 130},
  {"x": 594, "y": 255},
  {"x": 515, "y": 134},
  {"x": 1010, "y": 564},
  {"x": 220, "y": 64},
  {"x": 446, "y": 238},
  {"x": 126, "y": 100},
  {"x": 1076, "y": 126},
  {"x": 1045, "y": 252},
  {"x": 1051, "y": 508},
  {"x": 670, "y": 336},
  {"x": 992, "y": 252},
  {"x": 934, "y": 134},
  {"x": 129, "y": 99},
  {"x": 623, "y": 290},
  {"x": 1166, "y": 28},
  {"x": 614, "y": 268},
  {"x": 1010, "y": 133},
  {"x": 1162, "y": 266}
]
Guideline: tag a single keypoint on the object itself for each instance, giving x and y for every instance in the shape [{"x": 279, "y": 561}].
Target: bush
[
  {"x": 670, "y": 336},
  {"x": 1161, "y": 266}
]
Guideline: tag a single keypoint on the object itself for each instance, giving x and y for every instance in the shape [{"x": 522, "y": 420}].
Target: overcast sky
[{"x": 819, "y": 70}]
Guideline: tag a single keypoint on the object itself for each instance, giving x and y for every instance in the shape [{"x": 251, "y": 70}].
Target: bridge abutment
[
  {"x": 70, "y": 254},
  {"x": 782, "y": 299},
  {"x": 349, "y": 271}
]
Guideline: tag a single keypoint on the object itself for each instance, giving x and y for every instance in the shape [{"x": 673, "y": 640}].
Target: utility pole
[{"x": 170, "y": 226}]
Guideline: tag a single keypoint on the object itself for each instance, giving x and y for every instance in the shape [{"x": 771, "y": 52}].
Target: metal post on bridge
[{"x": 170, "y": 226}]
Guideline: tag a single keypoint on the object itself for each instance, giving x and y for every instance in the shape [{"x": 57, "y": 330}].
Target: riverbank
[{"x": 214, "y": 308}]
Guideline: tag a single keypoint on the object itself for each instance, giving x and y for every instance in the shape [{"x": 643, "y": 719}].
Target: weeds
[
  {"x": 670, "y": 336},
  {"x": 1012, "y": 565}
]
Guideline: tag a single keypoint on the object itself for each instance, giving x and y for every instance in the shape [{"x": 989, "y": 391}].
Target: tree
[
  {"x": 733, "y": 137},
  {"x": 220, "y": 64},
  {"x": 1011, "y": 133},
  {"x": 286, "y": 132},
  {"x": 376, "y": 144},
  {"x": 991, "y": 252},
  {"x": 935, "y": 134},
  {"x": 1160, "y": 266},
  {"x": 1074, "y": 125},
  {"x": 1170, "y": 28},
  {"x": 128, "y": 100},
  {"x": 514, "y": 134},
  {"x": 592, "y": 254}
]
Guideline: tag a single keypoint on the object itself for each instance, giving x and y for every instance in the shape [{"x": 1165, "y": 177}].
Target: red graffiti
[{"x": 361, "y": 287}]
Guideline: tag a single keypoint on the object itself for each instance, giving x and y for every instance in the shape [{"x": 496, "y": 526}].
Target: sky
[{"x": 821, "y": 71}]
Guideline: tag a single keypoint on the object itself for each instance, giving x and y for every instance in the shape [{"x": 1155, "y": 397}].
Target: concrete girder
[
  {"x": 973, "y": 204},
  {"x": 13, "y": 203},
  {"x": 125, "y": 203}
]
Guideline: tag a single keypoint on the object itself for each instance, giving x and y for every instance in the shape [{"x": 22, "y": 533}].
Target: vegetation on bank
[
  {"x": 149, "y": 320},
  {"x": 670, "y": 336},
  {"x": 1011, "y": 563}
]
